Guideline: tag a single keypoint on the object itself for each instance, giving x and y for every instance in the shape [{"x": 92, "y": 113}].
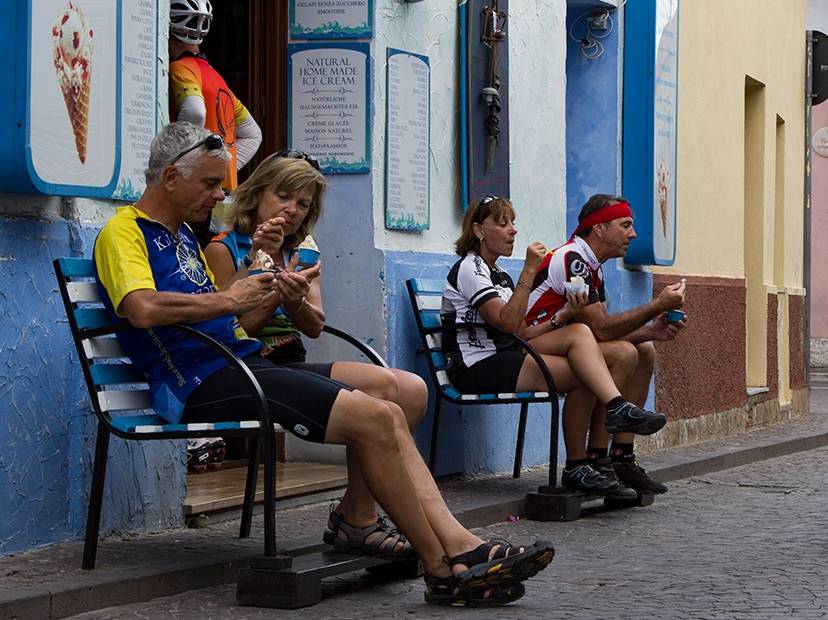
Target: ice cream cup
[
  {"x": 307, "y": 258},
  {"x": 674, "y": 316},
  {"x": 255, "y": 272},
  {"x": 573, "y": 288}
]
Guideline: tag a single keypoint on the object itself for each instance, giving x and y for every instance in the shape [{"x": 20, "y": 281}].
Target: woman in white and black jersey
[{"x": 487, "y": 359}]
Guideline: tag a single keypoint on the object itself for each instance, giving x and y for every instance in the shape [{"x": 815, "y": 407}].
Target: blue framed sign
[
  {"x": 650, "y": 127},
  {"x": 82, "y": 74},
  {"x": 329, "y": 104},
  {"x": 331, "y": 19},
  {"x": 407, "y": 143}
]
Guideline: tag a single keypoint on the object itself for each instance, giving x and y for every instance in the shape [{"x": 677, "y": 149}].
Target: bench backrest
[
  {"x": 426, "y": 300},
  {"x": 115, "y": 385}
]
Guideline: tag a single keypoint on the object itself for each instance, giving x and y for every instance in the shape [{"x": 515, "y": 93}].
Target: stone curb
[{"x": 97, "y": 589}]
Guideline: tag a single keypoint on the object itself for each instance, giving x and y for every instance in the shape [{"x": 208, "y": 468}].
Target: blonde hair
[
  {"x": 281, "y": 174},
  {"x": 478, "y": 211}
]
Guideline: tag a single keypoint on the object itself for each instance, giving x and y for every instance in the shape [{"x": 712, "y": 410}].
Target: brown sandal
[{"x": 387, "y": 542}]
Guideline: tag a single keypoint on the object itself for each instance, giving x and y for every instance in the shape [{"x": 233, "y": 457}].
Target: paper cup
[
  {"x": 307, "y": 258},
  {"x": 674, "y": 316},
  {"x": 573, "y": 288},
  {"x": 255, "y": 272}
]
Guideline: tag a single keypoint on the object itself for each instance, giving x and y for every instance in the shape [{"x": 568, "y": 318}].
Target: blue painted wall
[
  {"x": 593, "y": 145},
  {"x": 47, "y": 429}
]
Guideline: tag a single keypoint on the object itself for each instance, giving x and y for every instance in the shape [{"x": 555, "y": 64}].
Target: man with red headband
[{"x": 605, "y": 229}]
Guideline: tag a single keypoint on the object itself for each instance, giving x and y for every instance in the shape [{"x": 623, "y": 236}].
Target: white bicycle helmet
[{"x": 190, "y": 20}]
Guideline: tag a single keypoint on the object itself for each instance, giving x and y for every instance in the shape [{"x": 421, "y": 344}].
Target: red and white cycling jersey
[{"x": 574, "y": 258}]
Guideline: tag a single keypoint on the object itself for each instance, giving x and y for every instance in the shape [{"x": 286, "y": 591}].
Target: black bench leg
[
  {"x": 250, "y": 487},
  {"x": 553, "y": 443},
  {"x": 269, "y": 457},
  {"x": 93, "y": 514},
  {"x": 432, "y": 458},
  {"x": 524, "y": 412}
]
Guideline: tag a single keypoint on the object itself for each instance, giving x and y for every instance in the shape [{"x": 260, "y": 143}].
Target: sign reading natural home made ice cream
[
  {"x": 84, "y": 96},
  {"x": 331, "y": 19},
  {"x": 328, "y": 92}
]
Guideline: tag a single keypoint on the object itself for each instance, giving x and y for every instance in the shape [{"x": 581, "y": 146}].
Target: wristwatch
[{"x": 554, "y": 321}]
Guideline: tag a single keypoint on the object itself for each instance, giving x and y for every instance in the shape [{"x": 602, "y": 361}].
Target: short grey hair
[{"x": 174, "y": 139}]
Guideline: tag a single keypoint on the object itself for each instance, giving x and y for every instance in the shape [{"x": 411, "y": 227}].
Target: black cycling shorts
[
  {"x": 300, "y": 400},
  {"x": 497, "y": 374}
]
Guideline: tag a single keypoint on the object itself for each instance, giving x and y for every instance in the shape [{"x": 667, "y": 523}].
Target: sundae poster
[
  {"x": 650, "y": 127},
  {"x": 73, "y": 92}
]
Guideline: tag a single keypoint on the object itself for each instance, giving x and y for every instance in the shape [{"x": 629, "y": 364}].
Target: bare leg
[
  {"x": 376, "y": 431},
  {"x": 578, "y": 345},
  {"x": 579, "y": 401},
  {"x": 638, "y": 385},
  {"x": 621, "y": 358},
  {"x": 405, "y": 389}
]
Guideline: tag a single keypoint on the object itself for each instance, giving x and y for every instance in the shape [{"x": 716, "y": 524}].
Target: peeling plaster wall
[
  {"x": 47, "y": 429},
  {"x": 537, "y": 50}
]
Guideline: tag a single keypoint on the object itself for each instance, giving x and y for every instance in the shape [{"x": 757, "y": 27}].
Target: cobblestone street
[{"x": 749, "y": 542}]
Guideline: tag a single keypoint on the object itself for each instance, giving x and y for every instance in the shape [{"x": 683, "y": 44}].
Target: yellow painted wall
[{"x": 720, "y": 44}]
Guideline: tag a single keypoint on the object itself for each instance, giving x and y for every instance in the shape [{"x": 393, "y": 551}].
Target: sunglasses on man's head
[
  {"x": 291, "y": 154},
  {"x": 212, "y": 142}
]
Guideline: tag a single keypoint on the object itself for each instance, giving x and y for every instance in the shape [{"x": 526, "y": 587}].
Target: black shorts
[
  {"x": 300, "y": 400},
  {"x": 496, "y": 374},
  {"x": 319, "y": 368}
]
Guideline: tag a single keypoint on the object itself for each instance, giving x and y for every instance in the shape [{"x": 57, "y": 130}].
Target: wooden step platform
[{"x": 223, "y": 489}]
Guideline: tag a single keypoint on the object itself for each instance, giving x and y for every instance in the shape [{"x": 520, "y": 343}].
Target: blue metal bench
[
  {"x": 426, "y": 299},
  {"x": 120, "y": 399}
]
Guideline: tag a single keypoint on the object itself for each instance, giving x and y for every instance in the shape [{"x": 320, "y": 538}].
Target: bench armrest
[
  {"x": 234, "y": 360},
  {"x": 550, "y": 382},
  {"x": 366, "y": 350}
]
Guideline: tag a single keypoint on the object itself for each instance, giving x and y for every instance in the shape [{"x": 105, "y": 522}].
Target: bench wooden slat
[
  {"x": 429, "y": 302},
  {"x": 430, "y": 319},
  {"x": 125, "y": 400},
  {"x": 77, "y": 267},
  {"x": 92, "y": 318},
  {"x": 435, "y": 342},
  {"x": 114, "y": 374},
  {"x": 102, "y": 347},
  {"x": 83, "y": 292},
  {"x": 424, "y": 286}
]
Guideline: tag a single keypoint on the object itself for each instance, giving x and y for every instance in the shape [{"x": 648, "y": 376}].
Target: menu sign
[
  {"x": 329, "y": 104},
  {"x": 407, "y": 141},
  {"x": 331, "y": 19},
  {"x": 143, "y": 107}
]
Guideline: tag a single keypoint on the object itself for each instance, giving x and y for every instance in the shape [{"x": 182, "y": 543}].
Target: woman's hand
[
  {"x": 535, "y": 253},
  {"x": 269, "y": 236},
  {"x": 295, "y": 285}
]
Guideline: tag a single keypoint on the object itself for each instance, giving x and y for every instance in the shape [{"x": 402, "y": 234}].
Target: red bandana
[{"x": 605, "y": 214}]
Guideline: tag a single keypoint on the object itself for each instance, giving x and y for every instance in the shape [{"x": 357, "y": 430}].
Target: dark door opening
[{"x": 247, "y": 44}]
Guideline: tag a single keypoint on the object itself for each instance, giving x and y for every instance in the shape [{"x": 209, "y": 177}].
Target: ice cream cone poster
[
  {"x": 650, "y": 127},
  {"x": 74, "y": 91}
]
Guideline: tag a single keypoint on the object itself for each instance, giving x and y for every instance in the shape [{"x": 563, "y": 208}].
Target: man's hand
[
  {"x": 671, "y": 297},
  {"x": 251, "y": 292},
  {"x": 663, "y": 330},
  {"x": 269, "y": 236}
]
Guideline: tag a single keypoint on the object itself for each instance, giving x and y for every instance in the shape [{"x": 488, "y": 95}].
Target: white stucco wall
[{"x": 537, "y": 93}]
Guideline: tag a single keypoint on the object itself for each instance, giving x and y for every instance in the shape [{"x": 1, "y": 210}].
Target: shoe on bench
[
  {"x": 587, "y": 479},
  {"x": 628, "y": 418},
  {"x": 625, "y": 493},
  {"x": 633, "y": 475}
]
